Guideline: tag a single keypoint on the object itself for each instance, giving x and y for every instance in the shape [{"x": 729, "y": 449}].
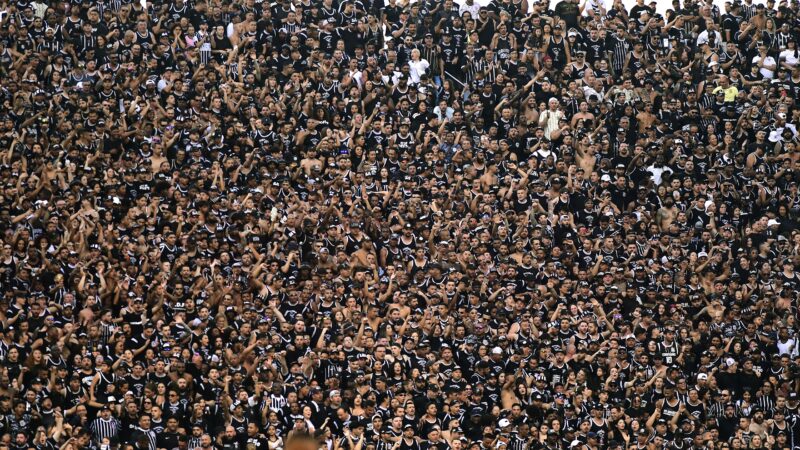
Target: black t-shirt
[
  {"x": 568, "y": 10},
  {"x": 637, "y": 10}
]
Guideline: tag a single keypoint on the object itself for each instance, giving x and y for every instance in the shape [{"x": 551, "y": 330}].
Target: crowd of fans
[{"x": 392, "y": 226}]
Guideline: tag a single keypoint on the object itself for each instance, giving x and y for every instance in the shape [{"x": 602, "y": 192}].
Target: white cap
[
  {"x": 702, "y": 255},
  {"x": 702, "y": 376},
  {"x": 729, "y": 362},
  {"x": 772, "y": 222},
  {"x": 605, "y": 177},
  {"x": 497, "y": 350},
  {"x": 503, "y": 423}
]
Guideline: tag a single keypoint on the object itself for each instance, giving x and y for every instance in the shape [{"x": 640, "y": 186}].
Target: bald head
[{"x": 301, "y": 441}]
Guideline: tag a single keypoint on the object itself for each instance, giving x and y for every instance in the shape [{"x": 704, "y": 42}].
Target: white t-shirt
[
  {"x": 598, "y": 7},
  {"x": 447, "y": 113},
  {"x": 789, "y": 347},
  {"x": 417, "y": 69},
  {"x": 658, "y": 172},
  {"x": 356, "y": 76},
  {"x": 394, "y": 78},
  {"x": 790, "y": 57},
  {"x": 473, "y": 9},
  {"x": 769, "y": 61},
  {"x": 777, "y": 134},
  {"x": 588, "y": 90},
  {"x": 702, "y": 38}
]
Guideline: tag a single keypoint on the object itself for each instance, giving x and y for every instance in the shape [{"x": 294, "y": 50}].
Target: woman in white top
[
  {"x": 789, "y": 57},
  {"x": 417, "y": 66}
]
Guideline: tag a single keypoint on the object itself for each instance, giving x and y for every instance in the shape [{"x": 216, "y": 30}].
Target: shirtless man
[
  {"x": 586, "y": 156},
  {"x": 583, "y": 113},
  {"x": 489, "y": 178},
  {"x": 666, "y": 214},
  {"x": 646, "y": 118},
  {"x": 310, "y": 162}
]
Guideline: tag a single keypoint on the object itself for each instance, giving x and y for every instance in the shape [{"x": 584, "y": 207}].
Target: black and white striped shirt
[
  {"x": 716, "y": 409},
  {"x": 472, "y": 67},
  {"x": 52, "y": 45},
  {"x": 194, "y": 442},
  {"x": 105, "y": 429},
  {"x": 432, "y": 56},
  {"x": 113, "y": 5},
  {"x": 107, "y": 330},
  {"x": 87, "y": 42},
  {"x": 619, "y": 51},
  {"x": 476, "y": 65},
  {"x": 766, "y": 403},
  {"x": 383, "y": 445},
  {"x": 491, "y": 71},
  {"x": 292, "y": 28},
  {"x": 150, "y": 434},
  {"x": 706, "y": 121},
  {"x": 748, "y": 11},
  {"x": 706, "y": 101},
  {"x": 781, "y": 39},
  {"x": 516, "y": 443},
  {"x": 330, "y": 370}
]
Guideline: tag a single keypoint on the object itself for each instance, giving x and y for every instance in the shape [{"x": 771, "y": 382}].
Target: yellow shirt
[{"x": 730, "y": 92}]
